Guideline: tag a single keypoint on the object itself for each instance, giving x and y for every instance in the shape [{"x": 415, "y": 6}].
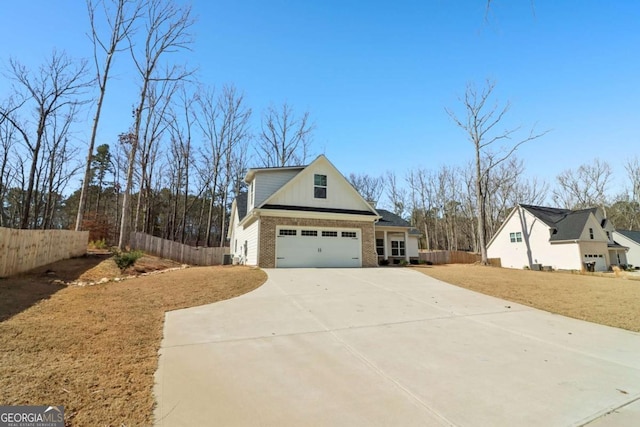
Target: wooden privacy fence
[
  {"x": 450, "y": 257},
  {"x": 176, "y": 251},
  {"x": 23, "y": 250},
  {"x": 455, "y": 257}
]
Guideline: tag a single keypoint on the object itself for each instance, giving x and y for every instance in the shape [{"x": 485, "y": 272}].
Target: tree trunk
[{"x": 481, "y": 210}]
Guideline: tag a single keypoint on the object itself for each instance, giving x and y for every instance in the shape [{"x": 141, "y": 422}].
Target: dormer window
[
  {"x": 320, "y": 186},
  {"x": 591, "y": 233}
]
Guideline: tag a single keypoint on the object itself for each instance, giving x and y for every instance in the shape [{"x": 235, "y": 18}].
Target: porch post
[
  {"x": 386, "y": 255},
  {"x": 406, "y": 245}
]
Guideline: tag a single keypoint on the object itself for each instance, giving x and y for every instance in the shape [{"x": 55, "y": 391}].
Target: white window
[
  {"x": 284, "y": 232},
  {"x": 320, "y": 186},
  {"x": 397, "y": 248},
  {"x": 349, "y": 234},
  {"x": 515, "y": 237},
  {"x": 329, "y": 234},
  {"x": 311, "y": 233}
]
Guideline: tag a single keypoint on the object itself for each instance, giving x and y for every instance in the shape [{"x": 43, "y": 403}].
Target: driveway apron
[{"x": 389, "y": 347}]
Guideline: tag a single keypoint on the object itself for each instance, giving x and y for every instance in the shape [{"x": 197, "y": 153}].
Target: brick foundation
[{"x": 267, "y": 237}]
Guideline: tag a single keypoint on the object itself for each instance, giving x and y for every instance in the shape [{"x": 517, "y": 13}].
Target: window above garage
[{"x": 320, "y": 186}]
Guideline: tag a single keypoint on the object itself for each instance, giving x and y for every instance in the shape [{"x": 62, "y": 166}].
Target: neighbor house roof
[
  {"x": 389, "y": 219},
  {"x": 630, "y": 234},
  {"x": 566, "y": 224},
  {"x": 547, "y": 215},
  {"x": 571, "y": 226}
]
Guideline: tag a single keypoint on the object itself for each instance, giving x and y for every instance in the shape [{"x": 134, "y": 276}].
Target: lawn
[
  {"x": 613, "y": 301},
  {"x": 94, "y": 349}
]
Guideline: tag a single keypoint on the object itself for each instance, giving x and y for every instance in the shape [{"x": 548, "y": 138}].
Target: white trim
[{"x": 314, "y": 215}]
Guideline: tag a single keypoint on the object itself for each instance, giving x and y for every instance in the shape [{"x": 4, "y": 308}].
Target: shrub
[
  {"x": 384, "y": 262},
  {"x": 404, "y": 262},
  {"x": 125, "y": 260},
  {"x": 414, "y": 261},
  {"x": 98, "y": 244}
]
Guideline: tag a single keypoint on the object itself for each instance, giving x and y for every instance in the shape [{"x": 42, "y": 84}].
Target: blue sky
[{"x": 376, "y": 76}]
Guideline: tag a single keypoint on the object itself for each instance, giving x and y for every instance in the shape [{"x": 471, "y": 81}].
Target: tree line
[{"x": 175, "y": 168}]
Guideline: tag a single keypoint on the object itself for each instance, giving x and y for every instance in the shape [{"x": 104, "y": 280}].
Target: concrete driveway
[{"x": 389, "y": 347}]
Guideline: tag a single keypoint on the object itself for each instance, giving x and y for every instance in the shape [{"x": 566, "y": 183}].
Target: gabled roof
[
  {"x": 389, "y": 219},
  {"x": 271, "y": 202},
  {"x": 566, "y": 224},
  {"x": 241, "y": 205},
  {"x": 547, "y": 215},
  {"x": 571, "y": 226},
  {"x": 631, "y": 235},
  {"x": 252, "y": 171}
]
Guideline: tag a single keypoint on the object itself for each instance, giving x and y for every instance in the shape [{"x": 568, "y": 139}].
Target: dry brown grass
[
  {"x": 613, "y": 301},
  {"x": 94, "y": 349}
]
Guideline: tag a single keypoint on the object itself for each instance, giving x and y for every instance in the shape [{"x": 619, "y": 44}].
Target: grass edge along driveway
[
  {"x": 94, "y": 349},
  {"x": 611, "y": 301}
]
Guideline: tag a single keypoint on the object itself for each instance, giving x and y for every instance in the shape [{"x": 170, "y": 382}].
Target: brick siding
[{"x": 267, "y": 237}]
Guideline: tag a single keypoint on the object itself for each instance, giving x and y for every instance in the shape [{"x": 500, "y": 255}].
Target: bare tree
[
  {"x": 583, "y": 187},
  {"x": 396, "y": 195},
  {"x": 53, "y": 90},
  {"x": 167, "y": 27},
  {"x": 479, "y": 123},
  {"x": 284, "y": 139},
  {"x": 422, "y": 191},
  {"x": 120, "y": 16},
  {"x": 224, "y": 123},
  {"x": 7, "y": 140},
  {"x": 156, "y": 120},
  {"x": 632, "y": 166},
  {"x": 370, "y": 187}
]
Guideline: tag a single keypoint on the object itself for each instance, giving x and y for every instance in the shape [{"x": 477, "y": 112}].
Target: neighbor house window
[
  {"x": 284, "y": 232},
  {"x": 320, "y": 186},
  {"x": 591, "y": 233},
  {"x": 515, "y": 237},
  {"x": 397, "y": 248},
  {"x": 380, "y": 247}
]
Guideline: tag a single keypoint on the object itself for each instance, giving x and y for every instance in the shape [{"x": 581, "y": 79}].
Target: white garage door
[{"x": 318, "y": 247}]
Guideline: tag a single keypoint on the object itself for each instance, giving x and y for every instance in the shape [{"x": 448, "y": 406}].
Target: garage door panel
[{"x": 318, "y": 247}]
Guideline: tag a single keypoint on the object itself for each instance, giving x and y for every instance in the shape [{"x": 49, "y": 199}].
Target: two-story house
[
  {"x": 311, "y": 216},
  {"x": 561, "y": 238}
]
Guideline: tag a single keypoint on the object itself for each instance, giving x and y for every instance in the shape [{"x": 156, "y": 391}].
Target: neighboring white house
[
  {"x": 630, "y": 239},
  {"x": 534, "y": 236},
  {"x": 311, "y": 216}
]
